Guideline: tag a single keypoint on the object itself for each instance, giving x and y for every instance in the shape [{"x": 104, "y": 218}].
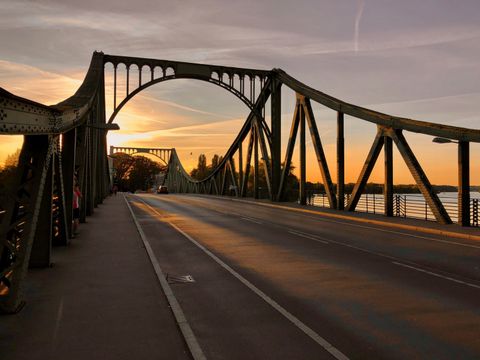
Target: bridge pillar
[
  {"x": 81, "y": 165},
  {"x": 388, "y": 185},
  {"x": 41, "y": 253},
  {"x": 255, "y": 165},
  {"x": 276, "y": 129},
  {"x": 240, "y": 167},
  {"x": 60, "y": 234},
  {"x": 463, "y": 183},
  {"x": 69, "y": 148},
  {"x": 340, "y": 162},
  {"x": 303, "y": 165}
]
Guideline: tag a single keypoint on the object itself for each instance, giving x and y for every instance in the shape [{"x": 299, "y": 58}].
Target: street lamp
[{"x": 440, "y": 140}]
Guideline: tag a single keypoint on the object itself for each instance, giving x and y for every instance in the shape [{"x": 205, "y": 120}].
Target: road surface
[{"x": 276, "y": 284}]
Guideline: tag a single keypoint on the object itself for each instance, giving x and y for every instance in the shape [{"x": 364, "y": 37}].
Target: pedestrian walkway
[{"x": 101, "y": 300}]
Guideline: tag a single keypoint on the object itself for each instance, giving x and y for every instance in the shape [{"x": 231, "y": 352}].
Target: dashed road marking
[
  {"x": 437, "y": 275},
  {"x": 251, "y": 220},
  {"x": 308, "y": 236}
]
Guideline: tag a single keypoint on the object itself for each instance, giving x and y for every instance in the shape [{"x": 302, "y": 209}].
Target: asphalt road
[{"x": 276, "y": 284}]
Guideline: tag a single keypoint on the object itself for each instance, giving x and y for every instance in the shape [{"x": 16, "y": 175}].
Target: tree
[
  {"x": 215, "y": 161},
  {"x": 142, "y": 173},
  {"x": 7, "y": 176},
  {"x": 12, "y": 159},
  {"x": 203, "y": 170},
  {"x": 122, "y": 163},
  {"x": 135, "y": 172}
]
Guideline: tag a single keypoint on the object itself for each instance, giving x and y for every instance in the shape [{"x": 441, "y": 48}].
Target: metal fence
[{"x": 404, "y": 205}]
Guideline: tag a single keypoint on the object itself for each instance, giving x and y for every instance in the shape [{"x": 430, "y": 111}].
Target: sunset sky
[{"x": 418, "y": 59}]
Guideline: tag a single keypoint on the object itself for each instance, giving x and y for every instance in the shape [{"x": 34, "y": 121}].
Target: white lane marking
[
  {"x": 182, "y": 322},
  {"x": 395, "y": 232},
  {"x": 437, "y": 275},
  {"x": 337, "y": 354},
  {"x": 308, "y": 236},
  {"x": 251, "y": 220}
]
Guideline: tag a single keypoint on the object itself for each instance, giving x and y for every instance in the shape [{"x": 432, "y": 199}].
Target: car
[{"x": 162, "y": 189}]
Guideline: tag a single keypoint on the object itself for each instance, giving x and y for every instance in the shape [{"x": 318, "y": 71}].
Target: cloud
[{"x": 36, "y": 84}]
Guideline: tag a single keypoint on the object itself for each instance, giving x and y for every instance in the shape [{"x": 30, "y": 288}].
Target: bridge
[{"x": 286, "y": 266}]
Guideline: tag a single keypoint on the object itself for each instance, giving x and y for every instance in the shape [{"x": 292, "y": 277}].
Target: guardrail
[{"x": 404, "y": 205}]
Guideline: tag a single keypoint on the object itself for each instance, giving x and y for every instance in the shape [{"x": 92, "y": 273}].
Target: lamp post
[{"x": 463, "y": 178}]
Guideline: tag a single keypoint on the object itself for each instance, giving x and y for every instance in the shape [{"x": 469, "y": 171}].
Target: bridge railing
[{"x": 405, "y": 205}]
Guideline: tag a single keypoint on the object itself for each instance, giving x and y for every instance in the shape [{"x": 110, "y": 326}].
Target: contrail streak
[{"x": 361, "y": 5}]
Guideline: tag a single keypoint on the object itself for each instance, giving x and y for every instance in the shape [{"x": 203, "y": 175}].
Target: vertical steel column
[
  {"x": 114, "y": 87},
  {"x": 69, "y": 149},
  {"x": 340, "y": 162},
  {"x": 62, "y": 237},
  {"x": 255, "y": 164},
  {"x": 276, "y": 134},
  {"x": 388, "y": 185},
  {"x": 464, "y": 183},
  {"x": 303, "y": 167},
  {"x": 240, "y": 165},
  {"x": 89, "y": 195},
  {"x": 42, "y": 243},
  {"x": 128, "y": 78}
]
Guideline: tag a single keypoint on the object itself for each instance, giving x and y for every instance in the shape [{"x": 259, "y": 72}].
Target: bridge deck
[{"x": 369, "y": 293}]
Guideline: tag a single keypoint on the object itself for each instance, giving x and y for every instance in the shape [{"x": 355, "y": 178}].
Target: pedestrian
[
  {"x": 115, "y": 189},
  {"x": 76, "y": 208}
]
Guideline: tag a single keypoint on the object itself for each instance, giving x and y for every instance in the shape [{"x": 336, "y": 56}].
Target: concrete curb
[{"x": 446, "y": 233}]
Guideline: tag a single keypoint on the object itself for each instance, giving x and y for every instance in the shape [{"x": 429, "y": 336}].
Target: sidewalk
[{"x": 101, "y": 300}]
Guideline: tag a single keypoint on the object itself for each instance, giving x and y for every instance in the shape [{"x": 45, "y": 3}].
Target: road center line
[
  {"x": 337, "y": 354},
  {"x": 437, "y": 275},
  {"x": 251, "y": 220},
  {"x": 187, "y": 332},
  {"x": 307, "y": 236}
]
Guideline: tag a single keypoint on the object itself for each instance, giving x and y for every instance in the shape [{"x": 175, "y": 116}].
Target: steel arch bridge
[
  {"x": 163, "y": 154},
  {"x": 67, "y": 142}
]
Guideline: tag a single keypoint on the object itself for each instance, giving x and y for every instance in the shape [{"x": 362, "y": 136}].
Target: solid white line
[
  {"x": 437, "y": 275},
  {"x": 182, "y": 322},
  {"x": 337, "y": 354},
  {"x": 251, "y": 220},
  {"x": 307, "y": 236}
]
